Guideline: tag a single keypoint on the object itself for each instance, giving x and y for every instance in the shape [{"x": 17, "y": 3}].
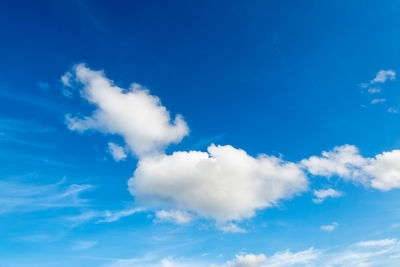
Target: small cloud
[
  {"x": 329, "y": 227},
  {"x": 174, "y": 216},
  {"x": 66, "y": 79},
  {"x": 374, "y": 90},
  {"x": 377, "y": 100},
  {"x": 115, "y": 216},
  {"x": 83, "y": 245},
  {"x": 393, "y": 110},
  {"x": 232, "y": 228},
  {"x": 384, "y": 75},
  {"x": 101, "y": 216},
  {"x": 322, "y": 194},
  {"x": 43, "y": 86},
  {"x": 116, "y": 151}
]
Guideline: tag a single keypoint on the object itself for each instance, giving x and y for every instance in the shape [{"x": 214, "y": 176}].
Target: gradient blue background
[{"x": 274, "y": 77}]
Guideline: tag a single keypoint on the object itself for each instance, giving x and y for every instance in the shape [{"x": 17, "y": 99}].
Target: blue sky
[{"x": 199, "y": 133}]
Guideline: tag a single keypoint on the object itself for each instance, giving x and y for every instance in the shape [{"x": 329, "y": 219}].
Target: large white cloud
[
  {"x": 224, "y": 183},
  {"x": 135, "y": 114},
  {"x": 381, "y": 172}
]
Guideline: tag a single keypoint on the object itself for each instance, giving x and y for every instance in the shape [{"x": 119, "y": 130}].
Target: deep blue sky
[{"x": 275, "y": 77}]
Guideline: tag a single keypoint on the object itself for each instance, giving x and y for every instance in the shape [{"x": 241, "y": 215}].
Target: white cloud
[
  {"x": 374, "y": 90},
  {"x": 101, "y": 216},
  {"x": 384, "y": 75},
  {"x": 381, "y": 172},
  {"x": 385, "y": 170},
  {"x": 377, "y": 243},
  {"x": 116, "y": 151},
  {"x": 247, "y": 260},
  {"x": 174, "y": 216},
  {"x": 224, "y": 183},
  {"x": 344, "y": 161},
  {"x": 373, "y": 253},
  {"x": 135, "y": 114},
  {"x": 231, "y": 228},
  {"x": 329, "y": 227},
  {"x": 377, "y": 100},
  {"x": 322, "y": 194},
  {"x": 66, "y": 79},
  {"x": 116, "y": 215}
]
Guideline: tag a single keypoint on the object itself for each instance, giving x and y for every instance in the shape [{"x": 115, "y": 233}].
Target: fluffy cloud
[
  {"x": 116, "y": 151},
  {"x": 381, "y": 172},
  {"x": 344, "y": 161},
  {"x": 384, "y": 75},
  {"x": 135, "y": 114},
  {"x": 384, "y": 170},
  {"x": 224, "y": 183},
  {"x": 322, "y": 194},
  {"x": 247, "y": 260}
]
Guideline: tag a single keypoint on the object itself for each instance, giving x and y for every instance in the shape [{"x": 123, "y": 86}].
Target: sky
[{"x": 199, "y": 133}]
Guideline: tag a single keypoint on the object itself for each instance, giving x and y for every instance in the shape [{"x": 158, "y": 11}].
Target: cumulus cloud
[
  {"x": 224, "y": 183},
  {"x": 135, "y": 114},
  {"x": 322, "y": 194},
  {"x": 384, "y": 170},
  {"x": 384, "y": 75},
  {"x": 344, "y": 161},
  {"x": 329, "y": 227},
  {"x": 116, "y": 151},
  {"x": 381, "y": 172}
]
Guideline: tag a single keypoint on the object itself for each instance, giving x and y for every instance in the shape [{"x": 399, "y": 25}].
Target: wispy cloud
[
  {"x": 83, "y": 244},
  {"x": 377, "y": 100},
  {"x": 22, "y": 197},
  {"x": 99, "y": 216}
]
